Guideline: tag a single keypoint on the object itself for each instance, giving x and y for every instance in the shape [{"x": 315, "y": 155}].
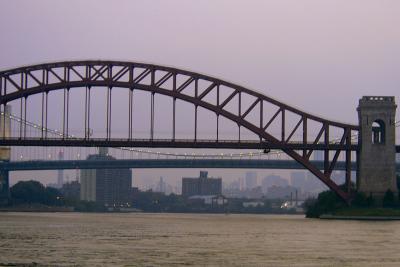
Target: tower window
[{"x": 378, "y": 132}]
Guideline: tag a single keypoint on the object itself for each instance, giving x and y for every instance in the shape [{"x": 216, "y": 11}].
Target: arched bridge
[{"x": 275, "y": 125}]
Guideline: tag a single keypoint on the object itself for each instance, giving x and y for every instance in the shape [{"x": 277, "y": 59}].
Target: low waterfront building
[
  {"x": 211, "y": 200},
  {"x": 253, "y": 204},
  {"x": 273, "y": 180}
]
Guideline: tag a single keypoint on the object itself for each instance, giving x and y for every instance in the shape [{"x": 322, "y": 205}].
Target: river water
[{"x": 139, "y": 239}]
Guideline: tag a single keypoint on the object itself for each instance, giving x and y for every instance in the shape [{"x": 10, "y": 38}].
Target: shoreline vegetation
[{"x": 329, "y": 206}]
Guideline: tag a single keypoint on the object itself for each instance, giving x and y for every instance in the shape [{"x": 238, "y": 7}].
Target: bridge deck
[
  {"x": 172, "y": 143},
  {"x": 163, "y": 163}
]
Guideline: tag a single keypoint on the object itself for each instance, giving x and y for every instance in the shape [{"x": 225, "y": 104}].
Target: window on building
[{"x": 378, "y": 132}]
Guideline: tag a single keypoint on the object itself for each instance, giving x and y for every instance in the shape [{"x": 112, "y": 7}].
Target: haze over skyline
[{"x": 320, "y": 56}]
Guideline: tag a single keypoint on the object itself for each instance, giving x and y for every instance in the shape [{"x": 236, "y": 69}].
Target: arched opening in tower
[{"x": 378, "y": 132}]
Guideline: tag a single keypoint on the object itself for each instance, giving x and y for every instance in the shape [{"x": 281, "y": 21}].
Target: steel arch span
[{"x": 246, "y": 108}]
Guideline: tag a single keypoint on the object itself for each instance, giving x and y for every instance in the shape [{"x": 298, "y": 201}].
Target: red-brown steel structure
[{"x": 20, "y": 83}]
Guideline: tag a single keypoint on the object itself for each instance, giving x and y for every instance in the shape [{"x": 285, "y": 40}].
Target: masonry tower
[{"x": 377, "y": 139}]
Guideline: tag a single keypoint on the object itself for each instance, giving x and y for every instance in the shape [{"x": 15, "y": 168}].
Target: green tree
[
  {"x": 398, "y": 185},
  {"x": 388, "y": 199},
  {"x": 370, "y": 200},
  {"x": 327, "y": 202},
  {"x": 34, "y": 192},
  {"x": 398, "y": 181},
  {"x": 27, "y": 192},
  {"x": 360, "y": 200},
  {"x": 52, "y": 197}
]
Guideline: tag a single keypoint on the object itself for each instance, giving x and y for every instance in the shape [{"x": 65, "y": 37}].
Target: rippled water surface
[{"x": 65, "y": 239}]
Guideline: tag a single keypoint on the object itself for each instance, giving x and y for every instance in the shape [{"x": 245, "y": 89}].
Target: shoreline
[
  {"x": 37, "y": 209},
  {"x": 72, "y": 210},
  {"x": 359, "y": 218}
]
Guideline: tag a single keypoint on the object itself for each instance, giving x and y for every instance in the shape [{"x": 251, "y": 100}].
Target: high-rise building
[
  {"x": 161, "y": 186},
  {"x": 251, "y": 180},
  {"x": 273, "y": 180},
  {"x": 110, "y": 187},
  {"x": 201, "y": 186},
  {"x": 235, "y": 185}
]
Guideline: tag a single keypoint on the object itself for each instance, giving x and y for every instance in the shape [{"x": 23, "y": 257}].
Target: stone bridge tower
[{"x": 377, "y": 139}]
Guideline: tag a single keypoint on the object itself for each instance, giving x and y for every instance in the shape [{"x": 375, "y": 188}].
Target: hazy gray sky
[
  {"x": 320, "y": 56},
  {"x": 313, "y": 54}
]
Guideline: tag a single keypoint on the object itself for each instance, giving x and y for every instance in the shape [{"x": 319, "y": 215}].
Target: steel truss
[{"x": 19, "y": 84}]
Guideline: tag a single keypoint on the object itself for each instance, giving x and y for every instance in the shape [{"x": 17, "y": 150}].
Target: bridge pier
[{"x": 377, "y": 139}]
